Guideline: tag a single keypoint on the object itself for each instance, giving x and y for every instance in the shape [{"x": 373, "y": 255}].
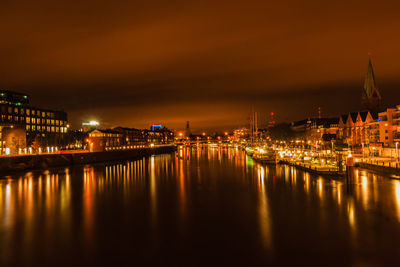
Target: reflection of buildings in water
[
  {"x": 397, "y": 198},
  {"x": 263, "y": 211},
  {"x": 320, "y": 188},
  {"x": 307, "y": 182},
  {"x": 153, "y": 193},
  {"x": 45, "y": 196},
  {"x": 88, "y": 202},
  {"x": 351, "y": 214}
]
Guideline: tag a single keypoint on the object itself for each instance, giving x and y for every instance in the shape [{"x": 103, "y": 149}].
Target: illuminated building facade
[
  {"x": 101, "y": 140},
  {"x": 127, "y": 138},
  {"x": 385, "y": 130},
  {"x": 42, "y": 126},
  {"x": 355, "y": 128}
]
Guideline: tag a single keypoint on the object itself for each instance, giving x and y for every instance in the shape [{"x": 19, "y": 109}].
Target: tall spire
[
  {"x": 371, "y": 97},
  {"x": 369, "y": 82}
]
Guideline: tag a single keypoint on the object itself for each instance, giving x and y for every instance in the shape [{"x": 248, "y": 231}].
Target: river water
[{"x": 198, "y": 206}]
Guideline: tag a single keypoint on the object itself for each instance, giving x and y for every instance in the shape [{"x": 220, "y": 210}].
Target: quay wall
[
  {"x": 313, "y": 170},
  {"x": 44, "y": 161},
  {"x": 379, "y": 168}
]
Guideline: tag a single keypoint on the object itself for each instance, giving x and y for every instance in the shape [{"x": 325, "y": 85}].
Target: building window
[
  {"x": 386, "y": 138},
  {"x": 43, "y": 114},
  {"x": 28, "y": 120},
  {"x": 33, "y": 120},
  {"x": 33, "y": 112},
  {"x": 9, "y": 110},
  {"x": 16, "y": 110},
  {"x": 28, "y": 111},
  {"x": 48, "y": 128},
  {"x": 28, "y": 127}
]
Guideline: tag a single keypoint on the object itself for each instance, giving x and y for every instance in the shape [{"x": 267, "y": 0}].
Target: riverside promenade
[{"x": 44, "y": 161}]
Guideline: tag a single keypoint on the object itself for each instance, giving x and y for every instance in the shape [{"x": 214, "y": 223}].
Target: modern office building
[{"x": 43, "y": 127}]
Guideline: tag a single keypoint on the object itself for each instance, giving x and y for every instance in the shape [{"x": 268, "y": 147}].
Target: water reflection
[
  {"x": 264, "y": 214},
  {"x": 198, "y": 198}
]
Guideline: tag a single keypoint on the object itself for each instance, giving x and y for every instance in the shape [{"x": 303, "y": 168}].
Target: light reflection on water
[{"x": 216, "y": 201}]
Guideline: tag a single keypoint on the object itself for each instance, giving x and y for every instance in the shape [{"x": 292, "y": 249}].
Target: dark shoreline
[{"x": 39, "y": 162}]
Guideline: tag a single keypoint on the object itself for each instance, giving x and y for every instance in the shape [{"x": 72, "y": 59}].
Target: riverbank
[{"x": 45, "y": 161}]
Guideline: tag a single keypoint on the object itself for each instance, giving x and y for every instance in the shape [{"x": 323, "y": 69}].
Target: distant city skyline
[{"x": 126, "y": 64}]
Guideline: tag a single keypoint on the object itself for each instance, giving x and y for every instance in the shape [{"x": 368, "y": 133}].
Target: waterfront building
[
  {"x": 386, "y": 128},
  {"x": 317, "y": 130},
  {"x": 132, "y": 135},
  {"x": 354, "y": 128},
  {"x": 241, "y": 134},
  {"x": 42, "y": 127},
  {"x": 101, "y": 140},
  {"x": 323, "y": 129},
  {"x": 122, "y": 137}
]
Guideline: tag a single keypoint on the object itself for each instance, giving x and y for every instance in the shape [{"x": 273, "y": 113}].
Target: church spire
[
  {"x": 369, "y": 82},
  {"x": 371, "y": 97}
]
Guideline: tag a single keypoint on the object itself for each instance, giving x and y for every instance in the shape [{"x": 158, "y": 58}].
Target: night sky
[{"x": 134, "y": 63}]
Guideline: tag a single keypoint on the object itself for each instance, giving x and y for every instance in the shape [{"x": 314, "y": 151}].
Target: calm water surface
[{"x": 204, "y": 206}]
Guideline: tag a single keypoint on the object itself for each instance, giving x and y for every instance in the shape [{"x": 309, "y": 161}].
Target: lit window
[
  {"x": 28, "y": 120},
  {"x": 43, "y": 114},
  {"x": 33, "y": 120},
  {"x": 28, "y": 111},
  {"x": 52, "y": 129},
  {"x": 9, "y": 109},
  {"x": 28, "y": 127},
  {"x": 48, "y": 128}
]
